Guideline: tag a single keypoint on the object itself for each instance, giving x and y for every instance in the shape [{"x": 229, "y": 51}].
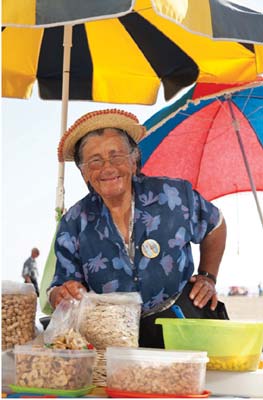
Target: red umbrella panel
[{"x": 200, "y": 143}]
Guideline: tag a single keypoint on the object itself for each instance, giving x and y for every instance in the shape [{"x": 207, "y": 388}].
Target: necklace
[
  {"x": 130, "y": 245},
  {"x": 131, "y": 238}
]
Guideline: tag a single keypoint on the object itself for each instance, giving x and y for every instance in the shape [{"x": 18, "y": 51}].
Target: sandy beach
[{"x": 244, "y": 307}]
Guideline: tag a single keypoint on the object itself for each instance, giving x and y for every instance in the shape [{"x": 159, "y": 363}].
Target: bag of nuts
[
  {"x": 19, "y": 302},
  {"x": 110, "y": 319},
  {"x": 63, "y": 319}
]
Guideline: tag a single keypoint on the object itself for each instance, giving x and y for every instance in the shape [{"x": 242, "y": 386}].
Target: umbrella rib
[{"x": 237, "y": 131}]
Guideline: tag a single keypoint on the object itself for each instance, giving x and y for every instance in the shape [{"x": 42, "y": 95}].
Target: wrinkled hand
[
  {"x": 203, "y": 290},
  {"x": 67, "y": 291}
]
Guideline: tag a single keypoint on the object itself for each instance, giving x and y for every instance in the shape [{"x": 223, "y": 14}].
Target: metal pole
[
  {"x": 67, "y": 43},
  {"x": 241, "y": 145}
]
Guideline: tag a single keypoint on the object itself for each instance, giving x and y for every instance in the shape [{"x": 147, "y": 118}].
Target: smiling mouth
[{"x": 111, "y": 179}]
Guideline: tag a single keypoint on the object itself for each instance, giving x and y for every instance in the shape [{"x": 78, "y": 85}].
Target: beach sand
[{"x": 244, "y": 307}]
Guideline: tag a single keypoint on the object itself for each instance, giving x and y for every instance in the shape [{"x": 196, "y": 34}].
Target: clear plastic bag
[
  {"x": 110, "y": 319},
  {"x": 64, "y": 319}
]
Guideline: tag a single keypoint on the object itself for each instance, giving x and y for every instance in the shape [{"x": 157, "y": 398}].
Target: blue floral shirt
[{"x": 90, "y": 249}]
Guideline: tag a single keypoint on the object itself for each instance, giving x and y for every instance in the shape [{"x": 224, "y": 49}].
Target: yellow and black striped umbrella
[
  {"x": 123, "y": 59},
  {"x": 240, "y": 20}
]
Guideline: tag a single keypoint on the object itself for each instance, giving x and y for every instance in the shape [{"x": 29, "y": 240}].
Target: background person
[
  {"x": 132, "y": 232},
  {"x": 30, "y": 271}
]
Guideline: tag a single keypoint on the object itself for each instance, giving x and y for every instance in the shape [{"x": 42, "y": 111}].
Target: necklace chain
[{"x": 131, "y": 225}]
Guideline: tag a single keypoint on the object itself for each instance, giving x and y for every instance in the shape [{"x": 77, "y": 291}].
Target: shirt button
[
  {"x": 137, "y": 247},
  {"x": 135, "y": 278}
]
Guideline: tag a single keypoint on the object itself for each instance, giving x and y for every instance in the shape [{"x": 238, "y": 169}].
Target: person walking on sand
[{"x": 30, "y": 272}]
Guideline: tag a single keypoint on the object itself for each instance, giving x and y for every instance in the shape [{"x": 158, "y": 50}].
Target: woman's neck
[{"x": 120, "y": 210}]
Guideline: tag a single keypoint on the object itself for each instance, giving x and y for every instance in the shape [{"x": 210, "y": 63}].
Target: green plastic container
[{"x": 230, "y": 345}]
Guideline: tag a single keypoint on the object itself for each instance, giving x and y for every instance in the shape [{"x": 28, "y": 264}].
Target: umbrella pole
[
  {"x": 237, "y": 130},
  {"x": 67, "y": 44}
]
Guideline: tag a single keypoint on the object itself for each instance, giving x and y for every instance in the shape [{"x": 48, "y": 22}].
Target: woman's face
[{"x": 108, "y": 180}]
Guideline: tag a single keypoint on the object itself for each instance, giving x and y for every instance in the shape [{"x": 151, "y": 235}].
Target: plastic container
[
  {"x": 156, "y": 371},
  {"x": 19, "y": 303},
  {"x": 53, "y": 369},
  {"x": 230, "y": 345}
]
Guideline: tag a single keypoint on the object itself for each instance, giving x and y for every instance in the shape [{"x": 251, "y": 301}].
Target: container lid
[
  {"x": 156, "y": 354},
  {"x": 124, "y": 394},
  {"x": 45, "y": 351},
  {"x": 56, "y": 392},
  {"x": 224, "y": 323}
]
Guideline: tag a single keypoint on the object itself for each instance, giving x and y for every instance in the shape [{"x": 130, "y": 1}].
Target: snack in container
[
  {"x": 230, "y": 345},
  {"x": 156, "y": 371},
  {"x": 66, "y": 364},
  {"x": 19, "y": 302}
]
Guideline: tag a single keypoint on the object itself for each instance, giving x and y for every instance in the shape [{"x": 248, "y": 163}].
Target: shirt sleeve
[
  {"x": 26, "y": 268},
  {"x": 68, "y": 264},
  {"x": 204, "y": 216}
]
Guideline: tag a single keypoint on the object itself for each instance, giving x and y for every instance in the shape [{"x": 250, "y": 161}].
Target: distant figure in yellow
[{"x": 30, "y": 271}]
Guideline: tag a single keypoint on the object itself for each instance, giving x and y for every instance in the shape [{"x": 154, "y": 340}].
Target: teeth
[{"x": 110, "y": 179}]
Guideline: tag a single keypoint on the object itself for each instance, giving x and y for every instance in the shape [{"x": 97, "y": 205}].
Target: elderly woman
[{"x": 132, "y": 232}]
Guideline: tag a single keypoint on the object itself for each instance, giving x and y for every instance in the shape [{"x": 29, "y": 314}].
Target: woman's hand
[
  {"x": 67, "y": 291},
  {"x": 203, "y": 290}
]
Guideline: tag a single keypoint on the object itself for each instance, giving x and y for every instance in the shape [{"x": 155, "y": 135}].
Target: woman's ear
[
  {"x": 84, "y": 175},
  {"x": 135, "y": 159}
]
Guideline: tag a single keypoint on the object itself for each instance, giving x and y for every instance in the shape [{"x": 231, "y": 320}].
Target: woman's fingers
[
  {"x": 73, "y": 289},
  {"x": 203, "y": 290},
  {"x": 67, "y": 291},
  {"x": 214, "y": 302}
]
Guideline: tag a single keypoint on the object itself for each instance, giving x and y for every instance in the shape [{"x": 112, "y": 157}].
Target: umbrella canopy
[
  {"x": 200, "y": 143},
  {"x": 230, "y": 20},
  {"x": 124, "y": 60},
  {"x": 237, "y": 20}
]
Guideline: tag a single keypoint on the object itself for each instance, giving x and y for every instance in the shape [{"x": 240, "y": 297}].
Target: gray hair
[{"x": 131, "y": 144}]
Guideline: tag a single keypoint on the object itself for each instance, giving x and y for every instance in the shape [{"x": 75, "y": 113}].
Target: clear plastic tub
[
  {"x": 19, "y": 303},
  {"x": 53, "y": 369},
  {"x": 156, "y": 371},
  {"x": 230, "y": 345}
]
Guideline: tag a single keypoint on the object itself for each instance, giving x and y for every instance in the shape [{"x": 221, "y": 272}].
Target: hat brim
[{"x": 98, "y": 120}]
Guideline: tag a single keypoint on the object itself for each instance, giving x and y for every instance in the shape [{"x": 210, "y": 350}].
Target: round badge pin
[{"x": 150, "y": 248}]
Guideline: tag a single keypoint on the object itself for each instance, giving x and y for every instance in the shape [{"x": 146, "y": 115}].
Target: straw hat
[{"x": 96, "y": 120}]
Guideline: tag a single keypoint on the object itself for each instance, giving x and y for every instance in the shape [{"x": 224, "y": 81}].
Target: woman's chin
[{"x": 111, "y": 192}]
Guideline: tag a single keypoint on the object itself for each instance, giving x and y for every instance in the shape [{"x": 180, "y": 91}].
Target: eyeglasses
[{"x": 97, "y": 163}]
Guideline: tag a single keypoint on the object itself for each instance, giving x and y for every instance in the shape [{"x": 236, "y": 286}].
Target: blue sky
[{"x": 30, "y": 135}]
